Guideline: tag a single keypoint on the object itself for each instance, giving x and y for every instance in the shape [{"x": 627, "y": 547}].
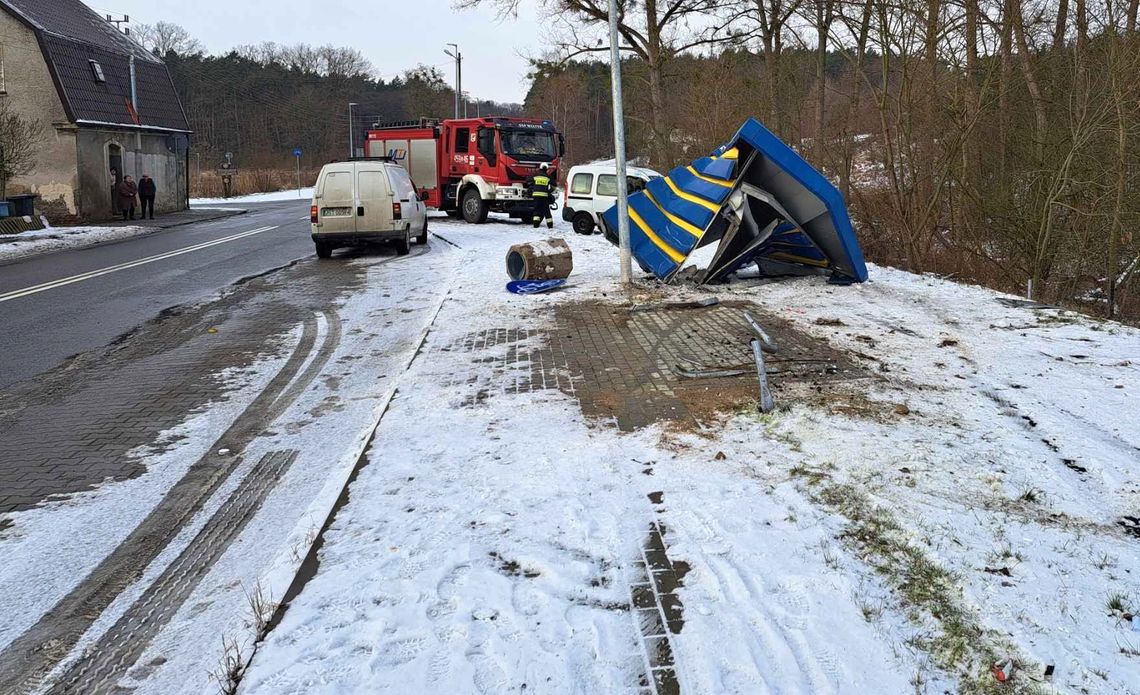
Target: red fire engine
[{"x": 471, "y": 166}]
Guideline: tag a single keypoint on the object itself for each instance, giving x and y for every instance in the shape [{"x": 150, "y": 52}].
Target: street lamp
[
  {"x": 351, "y": 131},
  {"x": 458, "y": 73},
  {"x": 619, "y": 151}
]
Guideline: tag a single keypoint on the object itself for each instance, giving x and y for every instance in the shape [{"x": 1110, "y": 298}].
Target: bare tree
[
  {"x": 327, "y": 61},
  {"x": 19, "y": 143},
  {"x": 655, "y": 32},
  {"x": 771, "y": 20},
  {"x": 348, "y": 63},
  {"x": 161, "y": 38}
]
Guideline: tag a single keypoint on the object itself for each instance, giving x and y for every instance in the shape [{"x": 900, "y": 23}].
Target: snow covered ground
[
  {"x": 964, "y": 505},
  {"x": 272, "y": 197},
  {"x": 59, "y": 238},
  {"x": 966, "y": 508}
]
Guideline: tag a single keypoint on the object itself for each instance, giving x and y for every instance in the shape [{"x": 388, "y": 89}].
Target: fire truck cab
[{"x": 471, "y": 166}]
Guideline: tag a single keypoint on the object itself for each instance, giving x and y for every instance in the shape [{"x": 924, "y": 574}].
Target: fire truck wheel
[
  {"x": 583, "y": 223},
  {"x": 422, "y": 238},
  {"x": 474, "y": 209}
]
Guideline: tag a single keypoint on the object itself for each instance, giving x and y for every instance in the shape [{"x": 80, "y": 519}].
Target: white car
[
  {"x": 591, "y": 189},
  {"x": 366, "y": 201}
]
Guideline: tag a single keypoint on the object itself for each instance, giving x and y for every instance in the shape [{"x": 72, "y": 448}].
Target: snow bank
[
  {"x": 13, "y": 247},
  {"x": 272, "y": 197}
]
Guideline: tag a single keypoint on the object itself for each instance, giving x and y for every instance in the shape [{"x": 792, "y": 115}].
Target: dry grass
[
  {"x": 929, "y": 594},
  {"x": 246, "y": 181},
  {"x": 261, "y": 610},
  {"x": 229, "y": 671}
]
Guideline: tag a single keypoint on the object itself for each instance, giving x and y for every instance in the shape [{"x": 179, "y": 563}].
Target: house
[{"x": 107, "y": 105}]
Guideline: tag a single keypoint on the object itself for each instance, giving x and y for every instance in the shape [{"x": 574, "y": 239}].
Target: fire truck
[{"x": 471, "y": 166}]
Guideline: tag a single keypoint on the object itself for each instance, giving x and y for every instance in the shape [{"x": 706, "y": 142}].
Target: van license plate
[{"x": 336, "y": 212}]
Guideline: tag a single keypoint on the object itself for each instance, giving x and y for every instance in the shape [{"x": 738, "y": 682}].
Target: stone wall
[{"x": 29, "y": 91}]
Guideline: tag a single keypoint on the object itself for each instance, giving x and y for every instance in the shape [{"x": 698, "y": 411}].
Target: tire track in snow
[{"x": 26, "y": 662}]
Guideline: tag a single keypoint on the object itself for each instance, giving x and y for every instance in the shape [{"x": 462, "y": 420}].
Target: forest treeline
[
  {"x": 260, "y": 102},
  {"x": 990, "y": 140}
]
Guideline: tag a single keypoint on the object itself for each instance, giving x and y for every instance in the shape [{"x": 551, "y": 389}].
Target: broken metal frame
[{"x": 767, "y": 403}]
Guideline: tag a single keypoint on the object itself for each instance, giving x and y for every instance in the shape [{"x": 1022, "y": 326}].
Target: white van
[
  {"x": 366, "y": 201},
  {"x": 591, "y": 189}
]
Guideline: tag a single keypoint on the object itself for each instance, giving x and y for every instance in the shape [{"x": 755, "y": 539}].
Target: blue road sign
[{"x": 297, "y": 152}]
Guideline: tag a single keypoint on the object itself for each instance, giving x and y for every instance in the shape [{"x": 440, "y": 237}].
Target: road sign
[{"x": 297, "y": 152}]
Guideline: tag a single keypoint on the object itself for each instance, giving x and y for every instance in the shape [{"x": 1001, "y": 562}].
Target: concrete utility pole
[
  {"x": 619, "y": 150},
  {"x": 351, "y": 131},
  {"x": 458, "y": 73}
]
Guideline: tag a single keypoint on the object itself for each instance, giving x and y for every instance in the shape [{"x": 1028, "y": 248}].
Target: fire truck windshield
[{"x": 537, "y": 145}]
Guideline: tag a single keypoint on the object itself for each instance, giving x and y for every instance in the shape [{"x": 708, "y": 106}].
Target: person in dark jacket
[
  {"x": 127, "y": 192},
  {"x": 540, "y": 186},
  {"x": 147, "y": 191}
]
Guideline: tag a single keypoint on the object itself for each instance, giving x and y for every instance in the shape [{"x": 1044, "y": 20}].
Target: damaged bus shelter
[{"x": 754, "y": 197}]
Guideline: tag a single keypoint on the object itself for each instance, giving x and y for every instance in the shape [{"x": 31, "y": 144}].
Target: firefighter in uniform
[{"x": 540, "y": 186}]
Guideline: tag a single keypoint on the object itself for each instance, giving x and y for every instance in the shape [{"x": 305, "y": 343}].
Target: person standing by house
[
  {"x": 147, "y": 192},
  {"x": 127, "y": 192}
]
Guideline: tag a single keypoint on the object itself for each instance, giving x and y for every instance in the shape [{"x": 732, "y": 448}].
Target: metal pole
[
  {"x": 459, "y": 79},
  {"x": 298, "y": 177},
  {"x": 619, "y": 149},
  {"x": 351, "y": 150},
  {"x": 458, "y": 73}
]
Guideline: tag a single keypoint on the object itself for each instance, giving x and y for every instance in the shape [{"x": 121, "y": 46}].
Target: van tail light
[
  {"x": 565, "y": 195},
  {"x": 397, "y": 211},
  {"x": 313, "y": 214}
]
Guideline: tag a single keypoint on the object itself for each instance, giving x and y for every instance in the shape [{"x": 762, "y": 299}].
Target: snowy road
[{"x": 99, "y": 293}]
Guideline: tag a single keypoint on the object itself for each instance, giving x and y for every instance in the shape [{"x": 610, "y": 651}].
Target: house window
[{"x": 97, "y": 71}]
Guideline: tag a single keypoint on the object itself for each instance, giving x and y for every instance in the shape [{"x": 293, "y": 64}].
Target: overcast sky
[{"x": 394, "y": 34}]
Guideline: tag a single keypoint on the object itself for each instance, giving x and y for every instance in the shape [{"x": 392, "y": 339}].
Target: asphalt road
[{"x": 65, "y": 303}]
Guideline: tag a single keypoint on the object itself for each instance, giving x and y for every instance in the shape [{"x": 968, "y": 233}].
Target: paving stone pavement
[
  {"x": 76, "y": 426},
  {"x": 623, "y": 366}
]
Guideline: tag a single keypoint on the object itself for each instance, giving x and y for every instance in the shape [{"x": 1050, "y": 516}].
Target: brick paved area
[
  {"x": 625, "y": 365},
  {"x": 76, "y": 426}
]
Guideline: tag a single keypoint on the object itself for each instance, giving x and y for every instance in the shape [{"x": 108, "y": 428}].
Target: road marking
[{"x": 16, "y": 294}]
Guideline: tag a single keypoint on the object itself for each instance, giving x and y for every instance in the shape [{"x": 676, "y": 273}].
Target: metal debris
[
  {"x": 707, "y": 373},
  {"x": 766, "y": 342},
  {"x": 767, "y": 403},
  {"x": 698, "y": 304}
]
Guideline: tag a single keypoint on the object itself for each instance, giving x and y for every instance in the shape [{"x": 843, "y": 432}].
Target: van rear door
[
  {"x": 336, "y": 198},
  {"x": 374, "y": 204}
]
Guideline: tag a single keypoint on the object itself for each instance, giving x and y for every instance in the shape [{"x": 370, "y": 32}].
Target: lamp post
[
  {"x": 351, "y": 131},
  {"x": 458, "y": 73},
  {"x": 619, "y": 150}
]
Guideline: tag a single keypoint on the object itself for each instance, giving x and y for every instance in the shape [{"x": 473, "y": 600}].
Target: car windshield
[{"x": 529, "y": 144}]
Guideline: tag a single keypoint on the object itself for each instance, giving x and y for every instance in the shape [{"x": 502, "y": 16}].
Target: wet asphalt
[{"x": 40, "y": 331}]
